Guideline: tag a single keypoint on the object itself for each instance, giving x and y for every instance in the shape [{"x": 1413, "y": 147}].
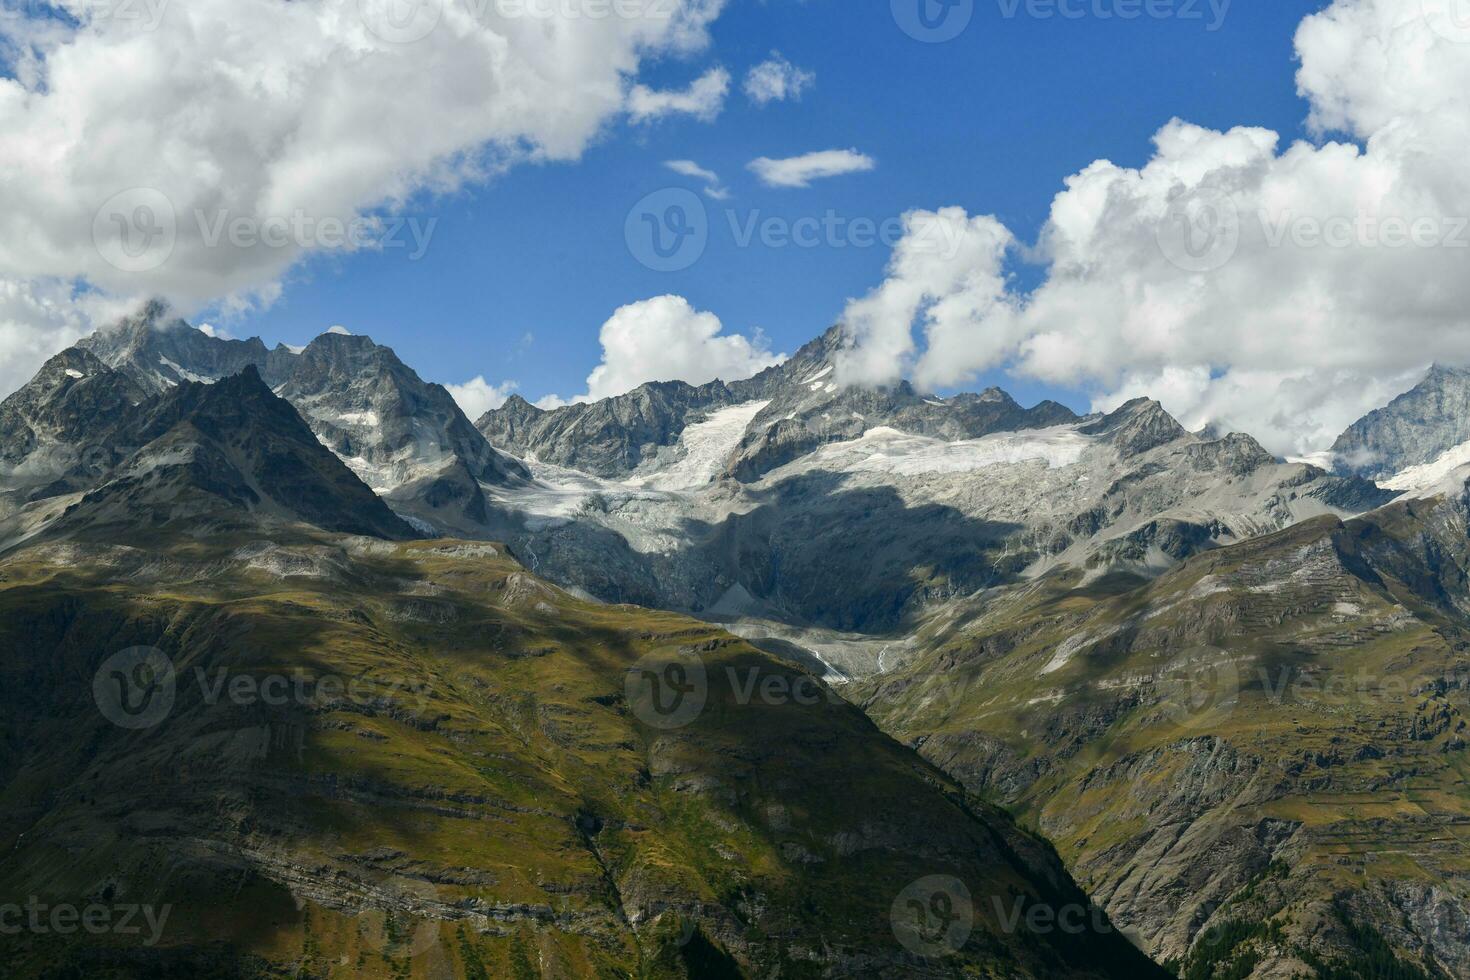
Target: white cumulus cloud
[
  {"x": 801, "y": 171},
  {"x": 946, "y": 271},
  {"x": 201, "y": 158},
  {"x": 1282, "y": 290},
  {"x": 666, "y": 339},
  {"x": 478, "y": 396}
]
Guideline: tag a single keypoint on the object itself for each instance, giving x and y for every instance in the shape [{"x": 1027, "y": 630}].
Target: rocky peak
[
  {"x": 832, "y": 340},
  {"x": 227, "y": 453},
  {"x": 159, "y": 350},
  {"x": 1235, "y": 453},
  {"x": 49, "y": 428},
  {"x": 407, "y": 438},
  {"x": 1138, "y": 426},
  {"x": 1415, "y": 428},
  {"x": 347, "y": 363}
]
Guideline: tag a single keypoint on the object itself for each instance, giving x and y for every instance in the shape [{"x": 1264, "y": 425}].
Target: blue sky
[{"x": 522, "y": 271}]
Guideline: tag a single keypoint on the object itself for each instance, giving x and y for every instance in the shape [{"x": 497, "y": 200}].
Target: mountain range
[{"x": 1227, "y": 687}]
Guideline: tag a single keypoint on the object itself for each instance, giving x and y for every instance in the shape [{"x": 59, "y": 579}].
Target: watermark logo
[
  {"x": 1200, "y": 232},
  {"x": 933, "y": 916},
  {"x": 135, "y": 688},
  {"x": 1450, "y": 19},
  {"x": 396, "y": 932},
  {"x": 668, "y": 230},
  {"x": 140, "y": 15},
  {"x": 95, "y": 460},
  {"x": 135, "y": 230},
  {"x": 401, "y": 21},
  {"x": 666, "y": 693},
  {"x": 1199, "y": 687},
  {"x": 933, "y": 21}
]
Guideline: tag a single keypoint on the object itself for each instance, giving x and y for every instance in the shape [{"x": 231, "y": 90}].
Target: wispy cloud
[
  {"x": 704, "y": 99},
  {"x": 688, "y": 168},
  {"x": 801, "y": 171}
]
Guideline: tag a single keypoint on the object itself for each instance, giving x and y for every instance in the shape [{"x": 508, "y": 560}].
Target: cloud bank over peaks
[
  {"x": 203, "y": 157},
  {"x": 1281, "y": 290}
]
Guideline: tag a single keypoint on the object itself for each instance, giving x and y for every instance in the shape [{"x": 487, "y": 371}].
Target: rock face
[
  {"x": 423, "y": 761},
  {"x": 860, "y": 534},
  {"x": 51, "y": 430},
  {"x": 407, "y": 439},
  {"x": 158, "y": 351},
  {"x": 789, "y": 497},
  {"x": 609, "y": 438},
  {"x": 1229, "y": 755},
  {"x": 1415, "y": 428},
  {"x": 804, "y": 409},
  {"x": 223, "y": 454}
]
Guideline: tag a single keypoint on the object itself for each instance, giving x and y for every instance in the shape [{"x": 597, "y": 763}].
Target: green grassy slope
[
  {"x": 418, "y": 760},
  {"x": 1258, "y": 761}
]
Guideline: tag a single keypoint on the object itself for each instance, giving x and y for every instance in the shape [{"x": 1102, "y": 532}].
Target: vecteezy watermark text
[
  {"x": 407, "y": 21},
  {"x": 1212, "y": 13},
  {"x": 670, "y": 230},
  {"x": 938, "y": 21},
  {"x": 303, "y": 230},
  {"x": 138, "y": 230},
  {"x": 1204, "y": 229},
  {"x": 137, "y": 688},
  {"x": 141, "y": 15},
  {"x": 1364, "y": 230},
  {"x": 96, "y": 919}
]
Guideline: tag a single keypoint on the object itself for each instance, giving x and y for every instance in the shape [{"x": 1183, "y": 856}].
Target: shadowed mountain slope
[{"x": 459, "y": 770}]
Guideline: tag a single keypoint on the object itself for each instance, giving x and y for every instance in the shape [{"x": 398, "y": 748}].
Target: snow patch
[
  {"x": 74, "y": 373},
  {"x": 369, "y": 419},
  {"x": 1428, "y": 477},
  {"x": 703, "y": 447},
  {"x": 1073, "y": 645},
  {"x": 887, "y": 450},
  {"x": 185, "y": 373}
]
